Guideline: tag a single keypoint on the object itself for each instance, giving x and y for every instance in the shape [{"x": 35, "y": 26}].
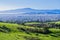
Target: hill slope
[{"x": 17, "y": 34}]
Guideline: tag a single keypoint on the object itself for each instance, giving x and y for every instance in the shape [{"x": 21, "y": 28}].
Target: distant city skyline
[{"x": 35, "y": 4}]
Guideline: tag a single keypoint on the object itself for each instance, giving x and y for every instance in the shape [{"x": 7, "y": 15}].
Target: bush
[{"x": 4, "y": 29}]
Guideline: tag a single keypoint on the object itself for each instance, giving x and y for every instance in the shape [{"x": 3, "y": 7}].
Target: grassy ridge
[{"x": 18, "y": 34}]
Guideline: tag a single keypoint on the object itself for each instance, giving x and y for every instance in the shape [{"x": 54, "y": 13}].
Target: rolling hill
[{"x": 10, "y": 31}]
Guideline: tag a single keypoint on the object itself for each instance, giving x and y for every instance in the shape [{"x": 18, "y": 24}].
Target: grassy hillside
[{"x": 9, "y": 31}]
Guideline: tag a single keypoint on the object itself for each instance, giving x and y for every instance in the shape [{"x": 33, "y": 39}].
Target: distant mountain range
[
  {"x": 29, "y": 14},
  {"x": 32, "y": 11}
]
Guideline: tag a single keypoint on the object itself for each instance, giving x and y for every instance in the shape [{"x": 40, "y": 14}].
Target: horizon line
[{"x": 30, "y": 8}]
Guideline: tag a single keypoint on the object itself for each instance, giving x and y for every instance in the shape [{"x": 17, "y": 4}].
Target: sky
[{"x": 35, "y": 4}]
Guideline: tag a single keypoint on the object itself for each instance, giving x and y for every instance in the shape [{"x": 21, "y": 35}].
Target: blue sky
[{"x": 35, "y": 4}]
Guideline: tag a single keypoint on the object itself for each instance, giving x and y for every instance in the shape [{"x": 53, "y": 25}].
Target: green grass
[
  {"x": 21, "y": 35},
  {"x": 57, "y": 22},
  {"x": 32, "y": 23}
]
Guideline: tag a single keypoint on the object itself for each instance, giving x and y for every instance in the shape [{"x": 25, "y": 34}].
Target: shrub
[{"x": 4, "y": 29}]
